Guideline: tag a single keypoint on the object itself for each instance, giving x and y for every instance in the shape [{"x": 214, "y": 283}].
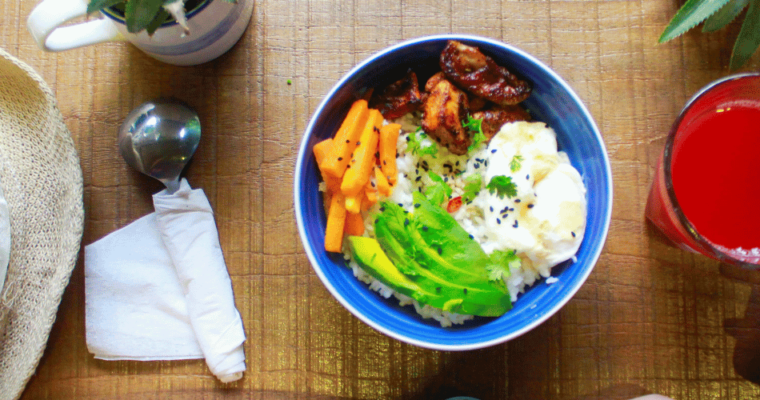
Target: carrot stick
[
  {"x": 382, "y": 183},
  {"x": 363, "y": 159},
  {"x": 321, "y": 151},
  {"x": 370, "y": 192},
  {"x": 387, "y": 150},
  {"x": 354, "y": 203},
  {"x": 354, "y": 224},
  {"x": 336, "y": 220},
  {"x": 336, "y": 160}
]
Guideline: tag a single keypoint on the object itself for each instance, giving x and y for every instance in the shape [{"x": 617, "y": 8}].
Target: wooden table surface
[{"x": 650, "y": 318}]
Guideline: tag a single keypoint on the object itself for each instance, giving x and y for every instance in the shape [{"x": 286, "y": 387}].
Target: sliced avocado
[
  {"x": 430, "y": 249},
  {"x": 370, "y": 256}
]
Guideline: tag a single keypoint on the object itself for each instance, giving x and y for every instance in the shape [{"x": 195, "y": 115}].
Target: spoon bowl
[{"x": 158, "y": 138}]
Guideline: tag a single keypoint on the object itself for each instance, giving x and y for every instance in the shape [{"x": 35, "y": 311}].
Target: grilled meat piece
[
  {"x": 398, "y": 98},
  {"x": 443, "y": 111},
  {"x": 494, "y": 118},
  {"x": 479, "y": 74}
]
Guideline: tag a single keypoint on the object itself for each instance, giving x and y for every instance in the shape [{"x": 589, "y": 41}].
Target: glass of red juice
[{"x": 706, "y": 191}]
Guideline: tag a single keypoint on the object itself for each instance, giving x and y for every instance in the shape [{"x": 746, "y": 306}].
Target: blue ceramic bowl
[{"x": 552, "y": 102}]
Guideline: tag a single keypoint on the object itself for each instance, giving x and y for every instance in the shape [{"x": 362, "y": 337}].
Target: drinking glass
[{"x": 663, "y": 208}]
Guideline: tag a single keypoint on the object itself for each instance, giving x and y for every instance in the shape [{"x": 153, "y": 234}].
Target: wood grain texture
[{"x": 650, "y": 318}]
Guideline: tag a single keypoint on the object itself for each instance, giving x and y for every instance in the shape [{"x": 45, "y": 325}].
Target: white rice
[{"x": 413, "y": 175}]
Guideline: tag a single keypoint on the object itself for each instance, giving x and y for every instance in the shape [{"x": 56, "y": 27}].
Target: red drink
[{"x": 706, "y": 194}]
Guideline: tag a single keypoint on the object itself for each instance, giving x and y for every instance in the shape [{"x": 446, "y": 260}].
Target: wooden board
[{"x": 650, "y": 319}]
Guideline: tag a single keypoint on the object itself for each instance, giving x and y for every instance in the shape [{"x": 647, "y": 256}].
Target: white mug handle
[{"x": 44, "y": 21}]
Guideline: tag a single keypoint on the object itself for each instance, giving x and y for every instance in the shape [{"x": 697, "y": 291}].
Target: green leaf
[
  {"x": 500, "y": 263},
  {"x": 725, "y": 15},
  {"x": 162, "y": 16},
  {"x": 472, "y": 186},
  {"x": 140, "y": 13},
  {"x": 439, "y": 191},
  {"x": 692, "y": 13},
  {"x": 515, "y": 164},
  {"x": 97, "y": 5},
  {"x": 414, "y": 144},
  {"x": 749, "y": 36},
  {"x": 476, "y": 127},
  {"x": 503, "y": 186}
]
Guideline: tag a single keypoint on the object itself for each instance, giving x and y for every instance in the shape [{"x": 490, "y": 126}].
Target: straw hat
[{"x": 41, "y": 179}]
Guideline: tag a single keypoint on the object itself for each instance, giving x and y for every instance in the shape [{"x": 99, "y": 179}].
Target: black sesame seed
[
  {"x": 416, "y": 171},
  {"x": 572, "y": 233},
  {"x": 417, "y": 205},
  {"x": 465, "y": 290},
  {"x": 477, "y": 165},
  {"x": 340, "y": 158},
  {"x": 406, "y": 221},
  {"x": 530, "y": 205},
  {"x": 493, "y": 151},
  {"x": 377, "y": 219},
  {"x": 400, "y": 205},
  {"x": 457, "y": 164},
  {"x": 384, "y": 162},
  {"x": 417, "y": 179},
  {"x": 498, "y": 221},
  {"x": 348, "y": 141},
  {"x": 440, "y": 250},
  {"x": 515, "y": 225},
  {"x": 505, "y": 216},
  {"x": 377, "y": 154},
  {"x": 382, "y": 209},
  {"x": 472, "y": 237},
  {"x": 445, "y": 178},
  {"x": 407, "y": 138},
  {"x": 491, "y": 208},
  {"x": 358, "y": 143},
  {"x": 517, "y": 200},
  {"x": 373, "y": 184},
  {"x": 527, "y": 176},
  {"x": 348, "y": 166},
  {"x": 424, "y": 228}
]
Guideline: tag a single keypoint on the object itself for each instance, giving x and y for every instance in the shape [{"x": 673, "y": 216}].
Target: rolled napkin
[
  {"x": 158, "y": 289},
  {"x": 186, "y": 222},
  {"x": 134, "y": 305}
]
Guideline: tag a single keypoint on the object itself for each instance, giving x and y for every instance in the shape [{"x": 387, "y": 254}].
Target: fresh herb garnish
[
  {"x": 414, "y": 144},
  {"x": 500, "y": 263},
  {"x": 439, "y": 191},
  {"x": 472, "y": 186},
  {"x": 476, "y": 127},
  {"x": 515, "y": 164},
  {"x": 503, "y": 186}
]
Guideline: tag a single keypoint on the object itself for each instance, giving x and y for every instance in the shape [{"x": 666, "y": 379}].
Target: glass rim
[{"x": 667, "y": 158}]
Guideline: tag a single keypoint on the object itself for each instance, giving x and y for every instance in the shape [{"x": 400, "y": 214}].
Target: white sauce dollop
[{"x": 546, "y": 221}]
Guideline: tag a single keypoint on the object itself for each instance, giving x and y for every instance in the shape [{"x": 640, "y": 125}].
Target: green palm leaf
[
  {"x": 749, "y": 36},
  {"x": 692, "y": 13},
  {"x": 725, "y": 15}
]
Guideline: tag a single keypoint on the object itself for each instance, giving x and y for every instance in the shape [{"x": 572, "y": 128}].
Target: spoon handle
[{"x": 171, "y": 185}]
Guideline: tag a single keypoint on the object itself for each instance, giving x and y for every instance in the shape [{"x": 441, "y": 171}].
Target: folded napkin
[{"x": 158, "y": 289}]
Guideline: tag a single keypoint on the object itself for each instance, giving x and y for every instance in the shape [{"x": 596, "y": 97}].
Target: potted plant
[{"x": 182, "y": 32}]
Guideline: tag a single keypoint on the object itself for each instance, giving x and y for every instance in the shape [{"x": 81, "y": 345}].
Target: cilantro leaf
[
  {"x": 503, "y": 186},
  {"x": 439, "y": 191},
  {"x": 476, "y": 127},
  {"x": 414, "y": 144},
  {"x": 500, "y": 263},
  {"x": 515, "y": 164},
  {"x": 472, "y": 186}
]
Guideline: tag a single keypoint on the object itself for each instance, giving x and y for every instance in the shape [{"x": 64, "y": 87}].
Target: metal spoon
[{"x": 158, "y": 138}]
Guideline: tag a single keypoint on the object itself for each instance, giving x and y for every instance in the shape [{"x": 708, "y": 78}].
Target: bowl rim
[{"x": 299, "y": 211}]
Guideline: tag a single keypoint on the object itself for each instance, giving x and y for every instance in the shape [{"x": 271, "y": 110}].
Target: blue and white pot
[{"x": 215, "y": 26}]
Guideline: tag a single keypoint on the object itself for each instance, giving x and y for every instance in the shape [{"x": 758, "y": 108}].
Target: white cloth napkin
[{"x": 158, "y": 289}]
